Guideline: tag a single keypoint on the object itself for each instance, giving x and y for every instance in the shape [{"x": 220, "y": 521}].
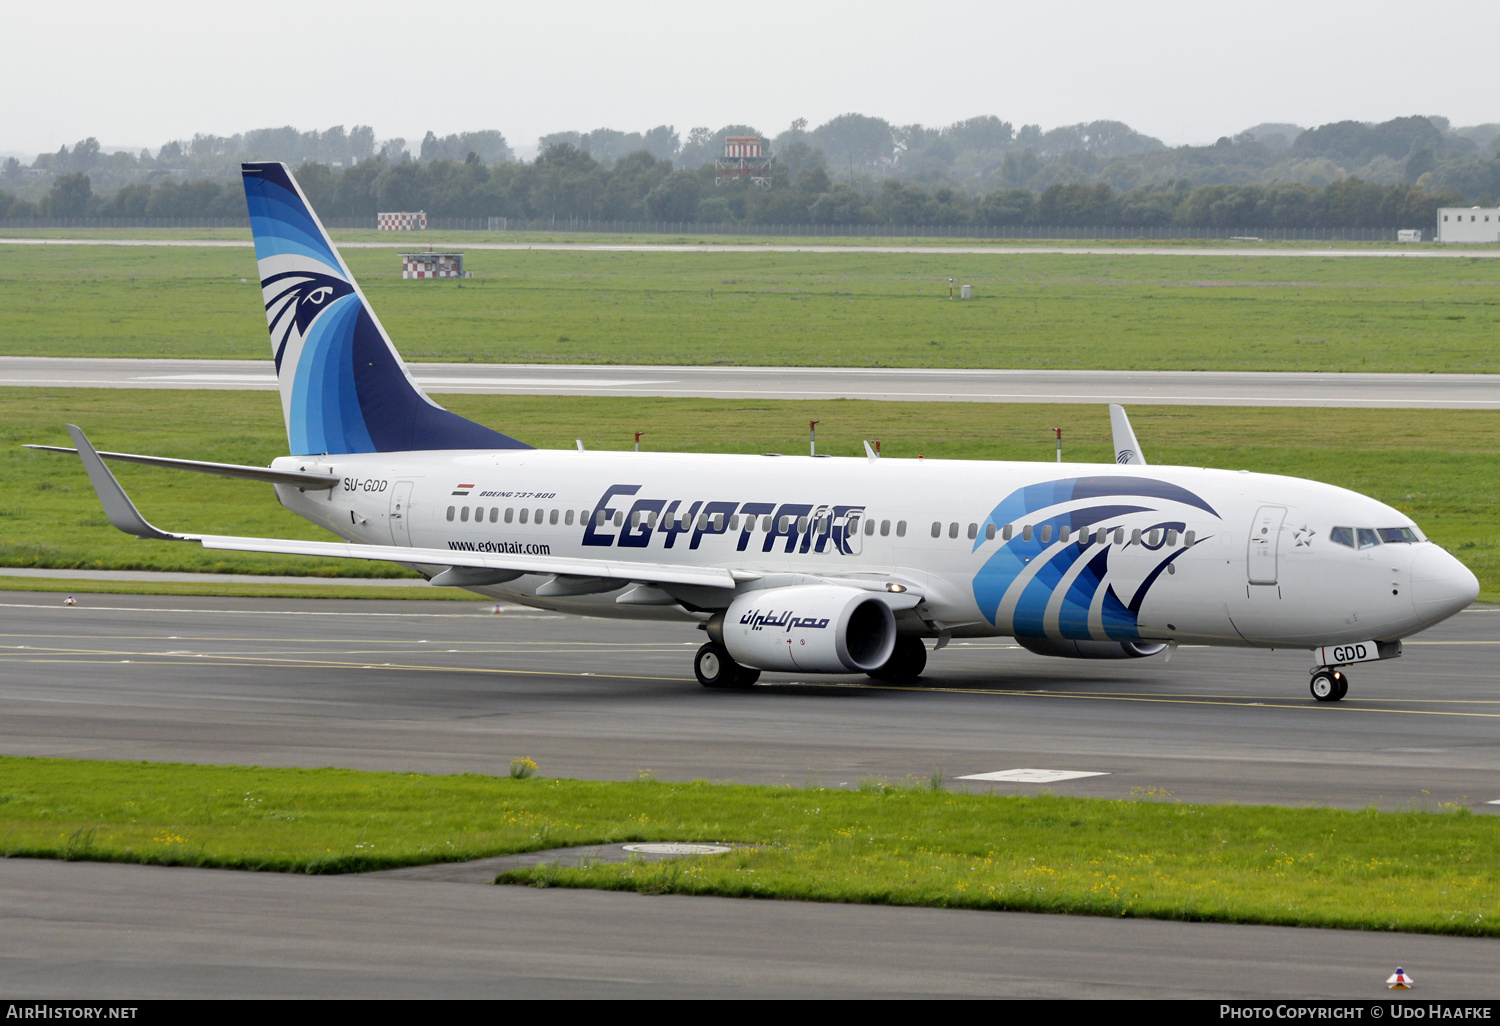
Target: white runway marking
[{"x": 1033, "y": 776}]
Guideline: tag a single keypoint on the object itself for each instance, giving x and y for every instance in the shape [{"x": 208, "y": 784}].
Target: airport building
[{"x": 1468, "y": 224}]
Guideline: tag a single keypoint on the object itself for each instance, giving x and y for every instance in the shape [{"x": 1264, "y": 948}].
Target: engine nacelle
[
  {"x": 816, "y": 628},
  {"x": 1092, "y": 649}
]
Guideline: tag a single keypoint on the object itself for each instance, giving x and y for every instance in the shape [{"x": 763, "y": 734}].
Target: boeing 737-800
[{"x": 802, "y": 564}]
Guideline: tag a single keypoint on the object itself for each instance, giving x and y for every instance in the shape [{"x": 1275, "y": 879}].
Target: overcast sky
[{"x": 144, "y": 72}]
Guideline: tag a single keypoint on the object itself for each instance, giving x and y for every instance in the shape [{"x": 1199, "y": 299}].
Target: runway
[
  {"x": 932, "y": 249},
  {"x": 1193, "y": 388},
  {"x": 452, "y": 687}
]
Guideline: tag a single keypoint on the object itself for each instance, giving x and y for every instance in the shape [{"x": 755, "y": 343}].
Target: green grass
[
  {"x": 1056, "y": 311},
  {"x": 1427, "y": 871},
  {"x": 563, "y": 238},
  {"x": 1439, "y": 466}
]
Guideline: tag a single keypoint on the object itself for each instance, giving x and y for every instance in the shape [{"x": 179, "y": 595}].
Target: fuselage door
[
  {"x": 401, "y": 513},
  {"x": 849, "y": 529},
  {"x": 1265, "y": 539}
]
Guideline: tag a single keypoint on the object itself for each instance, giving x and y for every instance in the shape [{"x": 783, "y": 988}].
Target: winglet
[
  {"x": 1127, "y": 449},
  {"x": 117, "y": 505},
  {"x": 871, "y": 454}
]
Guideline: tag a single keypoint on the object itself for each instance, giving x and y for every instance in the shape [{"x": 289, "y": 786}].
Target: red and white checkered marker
[
  {"x": 404, "y": 221},
  {"x": 1399, "y": 980}
]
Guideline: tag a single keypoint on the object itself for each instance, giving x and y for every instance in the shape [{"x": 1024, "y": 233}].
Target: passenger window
[
  {"x": 801, "y": 525},
  {"x": 552, "y": 517},
  {"x": 885, "y": 528},
  {"x": 1171, "y": 536},
  {"x": 1006, "y": 532},
  {"x": 1367, "y": 538},
  {"x": 973, "y": 531},
  {"x": 989, "y": 532},
  {"x": 510, "y": 514},
  {"x": 869, "y": 527},
  {"x": 494, "y": 514},
  {"x": 537, "y": 517},
  {"x": 1119, "y": 536},
  {"x": 1190, "y": 539},
  {"x": 937, "y": 529},
  {"x": 953, "y": 530},
  {"x": 1026, "y": 532},
  {"x": 1135, "y": 536},
  {"x": 1046, "y": 534},
  {"x": 463, "y": 514},
  {"x": 1083, "y": 538},
  {"x": 619, "y": 518},
  {"x": 703, "y": 521},
  {"x": 901, "y": 529},
  {"x": 784, "y": 523},
  {"x": 765, "y": 522},
  {"x": 1342, "y": 536},
  {"x": 523, "y": 515},
  {"x": 635, "y": 519},
  {"x": 567, "y": 518},
  {"x": 598, "y": 517},
  {"x": 452, "y": 510},
  {"x": 1153, "y": 538},
  {"x": 1064, "y": 533}
]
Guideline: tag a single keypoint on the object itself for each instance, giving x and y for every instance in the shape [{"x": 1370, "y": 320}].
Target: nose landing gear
[{"x": 1328, "y": 684}]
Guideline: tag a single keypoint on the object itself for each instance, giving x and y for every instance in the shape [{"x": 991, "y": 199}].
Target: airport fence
[{"x": 899, "y": 231}]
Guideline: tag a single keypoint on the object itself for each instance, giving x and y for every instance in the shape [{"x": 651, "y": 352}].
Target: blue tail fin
[{"x": 343, "y": 386}]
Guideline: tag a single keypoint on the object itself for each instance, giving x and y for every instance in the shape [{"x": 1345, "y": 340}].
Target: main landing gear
[
  {"x": 1328, "y": 684},
  {"x": 908, "y": 660},
  {"x": 715, "y": 669}
]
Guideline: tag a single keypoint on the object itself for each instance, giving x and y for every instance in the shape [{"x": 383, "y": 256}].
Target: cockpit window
[
  {"x": 1342, "y": 536},
  {"x": 1392, "y": 535},
  {"x": 1368, "y": 538}
]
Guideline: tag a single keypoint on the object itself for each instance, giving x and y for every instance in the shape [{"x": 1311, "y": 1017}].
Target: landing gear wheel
[
  {"x": 715, "y": 669},
  {"x": 907, "y": 661},
  {"x": 1329, "y": 685}
]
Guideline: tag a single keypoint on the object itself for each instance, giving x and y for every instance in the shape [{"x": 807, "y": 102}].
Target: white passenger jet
[{"x": 802, "y": 564}]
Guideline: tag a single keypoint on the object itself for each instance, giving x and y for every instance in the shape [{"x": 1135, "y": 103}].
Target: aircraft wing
[{"x": 123, "y": 514}]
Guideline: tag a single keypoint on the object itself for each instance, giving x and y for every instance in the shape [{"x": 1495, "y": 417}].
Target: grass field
[
  {"x": 1056, "y": 311},
  {"x": 1438, "y": 466},
  {"x": 791, "y": 238},
  {"x": 1430, "y": 871}
]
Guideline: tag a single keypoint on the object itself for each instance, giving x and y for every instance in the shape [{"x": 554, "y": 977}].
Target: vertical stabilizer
[
  {"x": 343, "y": 386},
  {"x": 1127, "y": 449}
]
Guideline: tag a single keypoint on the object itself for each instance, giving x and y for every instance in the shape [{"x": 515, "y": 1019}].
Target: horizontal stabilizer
[{"x": 302, "y": 479}]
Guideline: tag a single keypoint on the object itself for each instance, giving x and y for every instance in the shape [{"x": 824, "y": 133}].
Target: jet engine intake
[
  {"x": 1069, "y": 649},
  {"x": 814, "y": 628}
]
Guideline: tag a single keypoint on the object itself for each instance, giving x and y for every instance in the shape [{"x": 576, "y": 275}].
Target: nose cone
[{"x": 1440, "y": 584}]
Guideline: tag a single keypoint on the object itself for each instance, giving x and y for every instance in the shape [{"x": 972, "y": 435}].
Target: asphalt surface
[
  {"x": 931, "y": 249},
  {"x": 85, "y": 930},
  {"x": 1210, "y": 388},
  {"x": 447, "y": 687}
]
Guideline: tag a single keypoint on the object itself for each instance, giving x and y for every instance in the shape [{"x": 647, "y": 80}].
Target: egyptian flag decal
[{"x": 463, "y": 489}]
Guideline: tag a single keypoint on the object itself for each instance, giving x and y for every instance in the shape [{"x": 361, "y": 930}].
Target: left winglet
[{"x": 117, "y": 505}]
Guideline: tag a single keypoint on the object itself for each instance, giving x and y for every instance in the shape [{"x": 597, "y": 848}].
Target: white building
[{"x": 1468, "y": 224}]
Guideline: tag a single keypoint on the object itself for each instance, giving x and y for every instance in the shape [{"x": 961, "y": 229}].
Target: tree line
[
  {"x": 853, "y": 169},
  {"x": 565, "y": 183}
]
